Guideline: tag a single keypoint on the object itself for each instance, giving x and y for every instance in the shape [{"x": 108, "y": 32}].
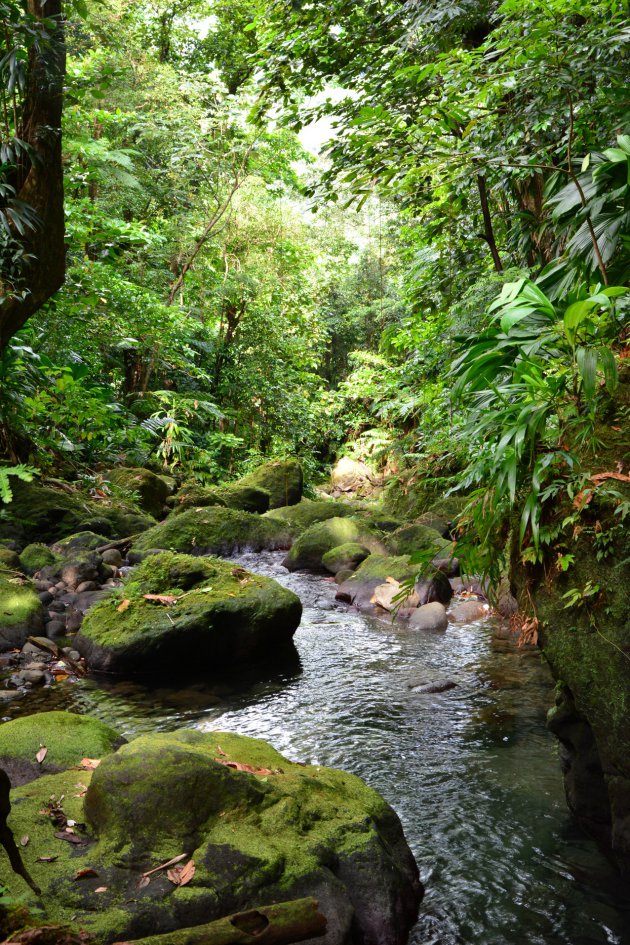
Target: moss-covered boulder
[
  {"x": 78, "y": 544},
  {"x": 9, "y": 560},
  {"x": 418, "y": 538},
  {"x": 258, "y": 828},
  {"x": 68, "y": 738},
  {"x": 248, "y": 498},
  {"x": 214, "y": 530},
  {"x": 345, "y": 557},
  {"x": 308, "y": 512},
  {"x": 151, "y": 490},
  {"x": 231, "y": 496},
  {"x": 37, "y": 556},
  {"x": 21, "y": 611},
  {"x": 282, "y": 479},
  {"x": 308, "y": 550},
  {"x": 379, "y": 569},
  {"x": 193, "y": 495},
  {"x": 174, "y": 606},
  {"x": 40, "y": 512}
]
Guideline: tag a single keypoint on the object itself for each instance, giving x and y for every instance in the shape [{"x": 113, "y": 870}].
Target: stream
[{"x": 472, "y": 772}]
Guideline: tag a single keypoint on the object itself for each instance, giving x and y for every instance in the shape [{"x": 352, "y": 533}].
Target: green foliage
[{"x": 25, "y": 473}]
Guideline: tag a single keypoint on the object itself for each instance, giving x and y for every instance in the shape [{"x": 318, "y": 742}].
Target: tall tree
[{"x": 31, "y": 192}]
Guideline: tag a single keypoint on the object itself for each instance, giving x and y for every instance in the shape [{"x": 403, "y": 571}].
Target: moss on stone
[
  {"x": 248, "y": 498},
  {"x": 282, "y": 479},
  {"x": 68, "y": 738},
  {"x": 310, "y": 547},
  {"x": 151, "y": 490},
  {"x": 37, "y": 556},
  {"x": 214, "y": 530},
  {"x": 411, "y": 538},
  {"x": 78, "y": 544},
  {"x": 259, "y": 834},
  {"x": 380, "y": 567},
  {"x": 9, "y": 560},
  {"x": 45, "y": 512},
  {"x": 192, "y": 495},
  {"x": 345, "y": 557},
  {"x": 21, "y": 611},
  {"x": 222, "y": 614},
  {"x": 308, "y": 512}
]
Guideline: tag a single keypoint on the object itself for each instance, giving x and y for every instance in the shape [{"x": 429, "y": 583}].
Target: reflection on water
[{"x": 472, "y": 771}]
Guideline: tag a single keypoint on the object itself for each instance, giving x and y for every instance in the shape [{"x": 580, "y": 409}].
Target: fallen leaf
[
  {"x": 143, "y": 882},
  {"x": 89, "y": 764},
  {"x": 24, "y": 840},
  {"x": 101, "y": 889},
  {"x": 85, "y": 873},
  {"x": 41, "y": 754},
  {"x": 123, "y": 606},
  {"x": 47, "y": 859},
  {"x": 69, "y": 837},
  {"x": 162, "y": 866},
  {"x": 182, "y": 875},
  {"x": 161, "y": 598},
  {"x": 61, "y": 677},
  {"x": 602, "y": 477},
  {"x": 239, "y": 766}
]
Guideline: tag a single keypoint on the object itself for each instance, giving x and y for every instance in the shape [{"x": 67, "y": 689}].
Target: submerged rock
[
  {"x": 213, "y": 530},
  {"x": 175, "y": 605},
  {"x": 258, "y": 828},
  {"x": 67, "y": 738}
]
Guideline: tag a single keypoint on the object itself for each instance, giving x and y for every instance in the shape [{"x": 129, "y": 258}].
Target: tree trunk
[
  {"x": 6, "y": 835},
  {"x": 488, "y": 234},
  {"x": 41, "y": 183},
  {"x": 280, "y": 924}
]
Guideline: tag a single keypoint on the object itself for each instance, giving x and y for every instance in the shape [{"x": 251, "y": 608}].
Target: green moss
[
  {"x": 44, "y": 512},
  {"x": 222, "y": 613},
  {"x": 282, "y": 479},
  {"x": 192, "y": 495},
  {"x": 68, "y": 738},
  {"x": 380, "y": 567},
  {"x": 75, "y": 545},
  {"x": 37, "y": 556},
  {"x": 310, "y": 547},
  {"x": 308, "y": 512},
  {"x": 412, "y": 538},
  {"x": 214, "y": 530},
  {"x": 248, "y": 498},
  {"x": 9, "y": 560},
  {"x": 21, "y": 611},
  {"x": 344, "y": 557},
  {"x": 151, "y": 490}
]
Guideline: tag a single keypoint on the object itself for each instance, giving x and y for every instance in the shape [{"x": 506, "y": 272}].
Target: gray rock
[
  {"x": 45, "y": 597},
  {"x": 430, "y": 617},
  {"x": 112, "y": 556},
  {"x": 33, "y": 676},
  {"x": 56, "y": 629},
  {"x": 436, "y": 685},
  {"x": 87, "y": 586}
]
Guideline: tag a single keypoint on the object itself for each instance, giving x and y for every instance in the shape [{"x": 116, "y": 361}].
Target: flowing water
[{"x": 472, "y": 772}]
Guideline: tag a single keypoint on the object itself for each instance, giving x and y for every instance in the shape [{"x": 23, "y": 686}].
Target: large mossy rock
[
  {"x": 379, "y": 569},
  {"x": 214, "y": 530},
  {"x": 152, "y": 491},
  {"x": 418, "y": 538},
  {"x": 307, "y": 552},
  {"x": 21, "y": 611},
  {"x": 308, "y": 512},
  {"x": 258, "y": 827},
  {"x": 37, "y": 556},
  {"x": 345, "y": 557},
  {"x": 211, "y": 614},
  {"x": 68, "y": 739},
  {"x": 45, "y": 513},
  {"x": 282, "y": 479}
]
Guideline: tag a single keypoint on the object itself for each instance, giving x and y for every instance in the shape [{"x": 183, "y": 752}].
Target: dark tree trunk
[
  {"x": 41, "y": 183},
  {"x": 488, "y": 233}
]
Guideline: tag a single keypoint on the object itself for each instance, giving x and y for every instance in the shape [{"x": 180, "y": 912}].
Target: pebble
[
  {"x": 87, "y": 586},
  {"x": 55, "y": 629},
  {"x": 71, "y": 654},
  {"x": 60, "y": 585},
  {"x": 45, "y": 597},
  {"x": 33, "y": 676},
  {"x": 8, "y": 695}
]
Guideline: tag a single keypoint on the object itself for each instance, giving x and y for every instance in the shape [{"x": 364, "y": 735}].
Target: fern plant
[{"x": 25, "y": 473}]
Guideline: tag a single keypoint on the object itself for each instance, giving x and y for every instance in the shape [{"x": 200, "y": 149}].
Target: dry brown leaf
[
  {"x": 238, "y": 766},
  {"x": 24, "y": 840},
  {"x": 41, "y": 754},
  {"x": 182, "y": 875},
  {"x": 143, "y": 882},
  {"x": 603, "y": 476},
  {"x": 122, "y": 607},
  {"x": 85, "y": 873},
  {"x": 89, "y": 764},
  {"x": 161, "y": 598},
  {"x": 61, "y": 677},
  {"x": 163, "y": 866},
  {"x": 47, "y": 859},
  {"x": 68, "y": 836},
  {"x": 101, "y": 889}
]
